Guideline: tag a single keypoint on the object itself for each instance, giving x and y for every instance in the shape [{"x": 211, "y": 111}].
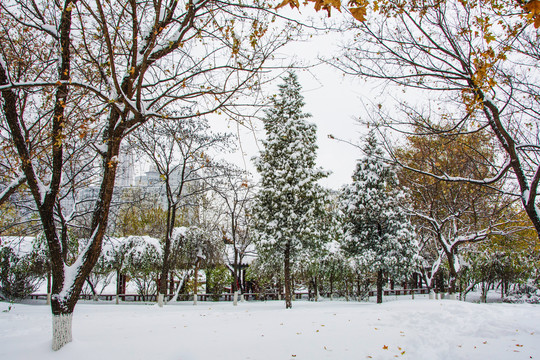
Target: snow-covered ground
[{"x": 407, "y": 329}]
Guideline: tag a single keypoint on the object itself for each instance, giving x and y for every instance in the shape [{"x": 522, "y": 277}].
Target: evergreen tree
[
  {"x": 377, "y": 232},
  {"x": 289, "y": 204}
]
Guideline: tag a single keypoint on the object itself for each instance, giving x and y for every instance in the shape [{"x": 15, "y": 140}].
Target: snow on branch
[
  {"x": 47, "y": 28},
  {"x": 11, "y": 188},
  {"x": 446, "y": 177}
]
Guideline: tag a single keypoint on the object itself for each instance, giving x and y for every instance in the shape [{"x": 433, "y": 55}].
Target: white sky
[{"x": 333, "y": 100}]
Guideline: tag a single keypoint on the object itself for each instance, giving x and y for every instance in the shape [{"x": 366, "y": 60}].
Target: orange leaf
[
  {"x": 385, "y": 347},
  {"x": 359, "y": 13},
  {"x": 533, "y": 7},
  {"x": 293, "y": 4}
]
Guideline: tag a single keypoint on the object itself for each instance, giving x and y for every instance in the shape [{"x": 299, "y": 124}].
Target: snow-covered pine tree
[
  {"x": 377, "y": 232},
  {"x": 289, "y": 203}
]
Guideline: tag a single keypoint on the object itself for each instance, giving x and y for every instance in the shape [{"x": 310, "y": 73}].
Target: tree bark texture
[
  {"x": 287, "y": 273},
  {"x": 196, "y": 282},
  {"x": 61, "y": 330},
  {"x": 379, "y": 286}
]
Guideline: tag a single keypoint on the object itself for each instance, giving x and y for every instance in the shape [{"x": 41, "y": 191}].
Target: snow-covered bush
[
  {"x": 487, "y": 267},
  {"x": 143, "y": 255},
  {"x": 20, "y": 271},
  {"x": 266, "y": 275},
  {"x": 217, "y": 278},
  {"x": 524, "y": 293}
]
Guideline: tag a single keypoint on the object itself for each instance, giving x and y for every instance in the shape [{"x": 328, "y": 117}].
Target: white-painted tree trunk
[
  {"x": 48, "y": 298},
  {"x": 160, "y": 301},
  {"x": 195, "y": 299},
  {"x": 61, "y": 330},
  {"x": 431, "y": 295},
  {"x": 235, "y": 298}
]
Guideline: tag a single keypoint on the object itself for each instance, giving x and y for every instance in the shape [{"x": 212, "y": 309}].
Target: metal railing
[{"x": 225, "y": 296}]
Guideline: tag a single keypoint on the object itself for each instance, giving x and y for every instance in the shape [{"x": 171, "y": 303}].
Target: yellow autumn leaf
[
  {"x": 533, "y": 7},
  {"x": 292, "y": 3},
  {"x": 358, "y": 13}
]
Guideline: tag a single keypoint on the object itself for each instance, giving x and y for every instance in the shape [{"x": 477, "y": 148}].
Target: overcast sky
[{"x": 333, "y": 100}]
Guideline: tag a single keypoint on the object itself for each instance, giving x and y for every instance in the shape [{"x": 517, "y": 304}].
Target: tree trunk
[
  {"x": 179, "y": 287},
  {"x": 287, "y": 273},
  {"x": 61, "y": 330},
  {"x": 379, "y": 286},
  {"x": 171, "y": 215},
  {"x": 117, "y": 286},
  {"x": 93, "y": 289},
  {"x": 195, "y": 282},
  {"x": 235, "y": 272},
  {"x": 453, "y": 274},
  {"x": 358, "y": 288},
  {"x": 49, "y": 286}
]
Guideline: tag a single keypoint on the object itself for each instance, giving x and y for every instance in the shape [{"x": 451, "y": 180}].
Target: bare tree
[
  {"x": 237, "y": 193},
  {"x": 127, "y": 63},
  {"x": 473, "y": 68},
  {"x": 180, "y": 153}
]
